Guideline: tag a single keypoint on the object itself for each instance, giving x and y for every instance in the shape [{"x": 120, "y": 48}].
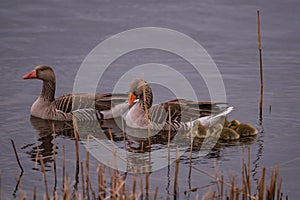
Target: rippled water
[{"x": 61, "y": 34}]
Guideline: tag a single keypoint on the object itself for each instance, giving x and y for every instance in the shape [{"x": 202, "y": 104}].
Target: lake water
[{"x": 62, "y": 33}]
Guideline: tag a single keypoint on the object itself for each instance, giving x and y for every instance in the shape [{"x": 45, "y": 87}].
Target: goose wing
[
  {"x": 182, "y": 110},
  {"x": 100, "y": 102}
]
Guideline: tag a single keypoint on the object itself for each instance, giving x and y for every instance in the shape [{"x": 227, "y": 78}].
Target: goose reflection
[
  {"x": 137, "y": 145},
  {"x": 47, "y": 130}
]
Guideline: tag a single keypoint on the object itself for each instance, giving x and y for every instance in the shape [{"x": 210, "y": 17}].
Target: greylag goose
[
  {"x": 65, "y": 107},
  {"x": 243, "y": 129},
  {"x": 172, "y": 115}
]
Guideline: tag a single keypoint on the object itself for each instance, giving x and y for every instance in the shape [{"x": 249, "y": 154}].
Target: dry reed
[
  {"x": 117, "y": 188},
  {"x": 34, "y": 192},
  {"x": 18, "y": 185},
  {"x": 147, "y": 114},
  {"x": 87, "y": 178},
  {"x": 45, "y": 177},
  {"x": 260, "y": 66},
  {"x": 268, "y": 192},
  {"x": 176, "y": 173},
  {"x": 156, "y": 193},
  {"x": 54, "y": 161},
  {"x": 82, "y": 179},
  {"x": 16, "y": 154}
]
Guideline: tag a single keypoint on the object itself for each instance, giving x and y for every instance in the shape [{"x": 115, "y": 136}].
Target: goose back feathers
[{"x": 172, "y": 115}]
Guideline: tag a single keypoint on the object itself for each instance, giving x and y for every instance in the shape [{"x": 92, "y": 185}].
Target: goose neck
[
  {"x": 48, "y": 90},
  {"x": 146, "y": 101}
]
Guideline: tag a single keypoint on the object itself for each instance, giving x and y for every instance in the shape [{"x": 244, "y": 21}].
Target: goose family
[
  {"x": 172, "y": 115},
  {"x": 243, "y": 129},
  {"x": 217, "y": 130},
  {"x": 84, "y": 106},
  {"x": 225, "y": 131}
]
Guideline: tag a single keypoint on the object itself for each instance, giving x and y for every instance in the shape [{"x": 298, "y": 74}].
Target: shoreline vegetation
[{"x": 116, "y": 185}]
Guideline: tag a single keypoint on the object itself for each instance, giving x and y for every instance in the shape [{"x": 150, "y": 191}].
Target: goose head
[
  {"x": 137, "y": 89},
  {"x": 234, "y": 124},
  {"x": 46, "y": 74},
  {"x": 42, "y": 72}
]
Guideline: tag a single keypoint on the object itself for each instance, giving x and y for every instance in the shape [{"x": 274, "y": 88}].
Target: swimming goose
[
  {"x": 85, "y": 106},
  {"x": 182, "y": 112},
  {"x": 243, "y": 129}
]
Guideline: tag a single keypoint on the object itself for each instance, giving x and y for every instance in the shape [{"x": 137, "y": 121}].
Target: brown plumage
[{"x": 181, "y": 111}]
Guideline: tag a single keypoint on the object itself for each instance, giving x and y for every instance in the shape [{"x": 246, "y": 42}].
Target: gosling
[
  {"x": 199, "y": 131},
  {"x": 224, "y": 133},
  {"x": 243, "y": 129}
]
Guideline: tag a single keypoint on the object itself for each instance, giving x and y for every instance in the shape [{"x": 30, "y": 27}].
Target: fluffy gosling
[
  {"x": 243, "y": 129},
  {"x": 224, "y": 133}
]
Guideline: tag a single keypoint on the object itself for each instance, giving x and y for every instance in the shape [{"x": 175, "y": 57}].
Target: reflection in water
[
  {"x": 135, "y": 150},
  {"x": 141, "y": 154},
  {"x": 260, "y": 143},
  {"x": 47, "y": 130}
]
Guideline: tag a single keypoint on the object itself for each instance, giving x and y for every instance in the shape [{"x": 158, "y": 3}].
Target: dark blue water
[{"x": 62, "y": 33}]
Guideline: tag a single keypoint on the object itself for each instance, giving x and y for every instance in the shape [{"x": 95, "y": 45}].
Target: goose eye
[{"x": 42, "y": 70}]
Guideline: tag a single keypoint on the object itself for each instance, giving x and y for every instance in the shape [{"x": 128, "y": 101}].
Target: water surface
[{"x": 62, "y": 33}]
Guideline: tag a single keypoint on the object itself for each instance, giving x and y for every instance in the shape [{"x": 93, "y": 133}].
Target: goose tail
[{"x": 209, "y": 121}]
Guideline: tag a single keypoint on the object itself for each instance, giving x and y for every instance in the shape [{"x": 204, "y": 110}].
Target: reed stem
[
  {"x": 156, "y": 193},
  {"x": 45, "y": 178},
  {"x": 176, "y": 172},
  {"x": 134, "y": 186},
  {"x": 260, "y": 66},
  {"x": 141, "y": 185},
  {"x": 87, "y": 174},
  {"x": 262, "y": 184},
  {"x": 54, "y": 161},
  {"x": 147, "y": 115},
  {"x": 16, "y": 154},
  {"x": 34, "y": 192},
  {"x": 100, "y": 181},
  {"x": 217, "y": 176},
  {"x": 63, "y": 165},
  {"x": 248, "y": 173},
  {"x": 147, "y": 183},
  {"x": 82, "y": 180}
]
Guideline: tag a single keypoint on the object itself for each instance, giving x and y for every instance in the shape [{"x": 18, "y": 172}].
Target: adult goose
[
  {"x": 172, "y": 115},
  {"x": 84, "y": 106}
]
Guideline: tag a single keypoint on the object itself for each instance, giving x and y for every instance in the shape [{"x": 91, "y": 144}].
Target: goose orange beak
[
  {"x": 30, "y": 75},
  {"x": 132, "y": 97}
]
